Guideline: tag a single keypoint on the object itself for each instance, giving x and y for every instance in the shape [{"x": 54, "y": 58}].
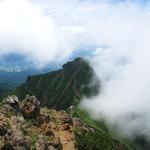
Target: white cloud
[
  {"x": 24, "y": 28},
  {"x": 124, "y": 69}
]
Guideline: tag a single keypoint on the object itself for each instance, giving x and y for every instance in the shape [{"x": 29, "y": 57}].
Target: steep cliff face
[{"x": 63, "y": 88}]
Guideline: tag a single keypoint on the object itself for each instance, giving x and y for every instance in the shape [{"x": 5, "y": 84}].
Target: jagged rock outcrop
[
  {"x": 30, "y": 107},
  {"x": 47, "y": 129},
  {"x": 13, "y": 101}
]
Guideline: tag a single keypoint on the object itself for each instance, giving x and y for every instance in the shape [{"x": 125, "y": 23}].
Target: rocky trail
[{"x": 26, "y": 126}]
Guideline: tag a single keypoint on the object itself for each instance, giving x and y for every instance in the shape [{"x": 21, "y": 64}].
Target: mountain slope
[
  {"x": 63, "y": 88},
  {"x": 59, "y": 90},
  {"x": 49, "y": 129},
  {"x": 100, "y": 139}
]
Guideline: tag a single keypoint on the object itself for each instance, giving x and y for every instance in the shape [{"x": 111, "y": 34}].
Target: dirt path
[{"x": 67, "y": 139}]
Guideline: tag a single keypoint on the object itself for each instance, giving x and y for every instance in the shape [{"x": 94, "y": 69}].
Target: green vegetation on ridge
[
  {"x": 63, "y": 88},
  {"x": 99, "y": 138}
]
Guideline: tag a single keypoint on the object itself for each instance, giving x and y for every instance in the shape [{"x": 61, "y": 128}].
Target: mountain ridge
[
  {"x": 28, "y": 126},
  {"x": 63, "y": 88}
]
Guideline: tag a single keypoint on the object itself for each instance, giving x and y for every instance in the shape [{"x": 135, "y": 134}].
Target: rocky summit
[
  {"x": 27, "y": 126},
  {"x": 32, "y": 127}
]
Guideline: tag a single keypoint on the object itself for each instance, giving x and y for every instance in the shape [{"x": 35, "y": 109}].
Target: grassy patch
[
  {"x": 84, "y": 116},
  {"x": 99, "y": 138}
]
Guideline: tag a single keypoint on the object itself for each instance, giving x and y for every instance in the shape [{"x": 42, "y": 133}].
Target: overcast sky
[{"x": 45, "y": 30}]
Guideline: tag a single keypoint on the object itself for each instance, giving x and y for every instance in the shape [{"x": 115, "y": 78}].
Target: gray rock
[{"x": 13, "y": 101}]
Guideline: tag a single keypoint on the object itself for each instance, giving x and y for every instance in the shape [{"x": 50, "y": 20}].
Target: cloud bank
[
  {"x": 27, "y": 30},
  {"x": 48, "y": 30}
]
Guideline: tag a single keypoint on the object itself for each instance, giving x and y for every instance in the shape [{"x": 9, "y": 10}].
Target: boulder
[
  {"x": 13, "y": 101},
  {"x": 30, "y": 107}
]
